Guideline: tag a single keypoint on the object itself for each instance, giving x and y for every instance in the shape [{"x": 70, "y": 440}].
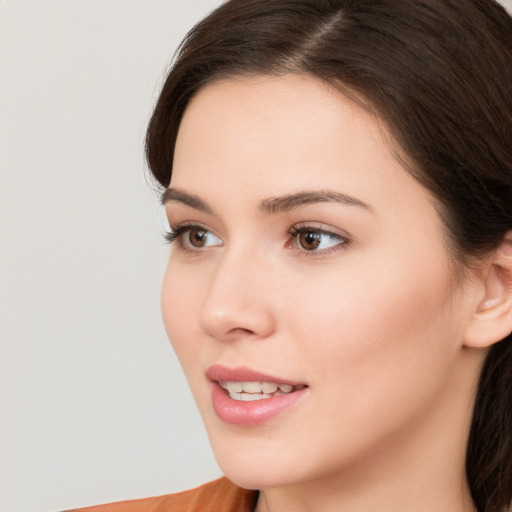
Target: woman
[{"x": 337, "y": 176}]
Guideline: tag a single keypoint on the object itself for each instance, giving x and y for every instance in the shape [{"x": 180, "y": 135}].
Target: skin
[{"x": 371, "y": 320}]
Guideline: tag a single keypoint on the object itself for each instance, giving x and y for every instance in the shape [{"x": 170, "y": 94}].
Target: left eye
[{"x": 308, "y": 239}]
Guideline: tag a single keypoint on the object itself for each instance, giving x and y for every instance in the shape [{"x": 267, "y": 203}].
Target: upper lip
[{"x": 244, "y": 374}]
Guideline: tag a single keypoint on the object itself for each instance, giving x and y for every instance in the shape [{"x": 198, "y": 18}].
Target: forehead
[
  {"x": 276, "y": 101},
  {"x": 287, "y": 132},
  {"x": 276, "y": 121}
]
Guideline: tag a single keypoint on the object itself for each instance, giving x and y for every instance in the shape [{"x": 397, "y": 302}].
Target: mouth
[
  {"x": 249, "y": 391},
  {"x": 244, "y": 397}
]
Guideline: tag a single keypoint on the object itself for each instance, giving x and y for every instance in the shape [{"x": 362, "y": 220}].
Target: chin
[
  {"x": 258, "y": 475},
  {"x": 258, "y": 463}
]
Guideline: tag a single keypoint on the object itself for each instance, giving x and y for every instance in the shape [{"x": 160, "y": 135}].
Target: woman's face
[{"x": 309, "y": 263}]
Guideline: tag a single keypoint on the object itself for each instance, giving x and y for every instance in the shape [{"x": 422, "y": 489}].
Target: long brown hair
[{"x": 439, "y": 73}]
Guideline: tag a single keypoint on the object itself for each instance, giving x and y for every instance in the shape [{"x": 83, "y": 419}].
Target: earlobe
[{"x": 492, "y": 319}]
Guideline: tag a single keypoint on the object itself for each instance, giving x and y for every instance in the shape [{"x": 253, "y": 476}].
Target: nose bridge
[{"x": 238, "y": 301}]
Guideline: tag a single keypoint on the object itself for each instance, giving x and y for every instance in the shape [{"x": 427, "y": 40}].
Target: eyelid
[{"x": 320, "y": 228}]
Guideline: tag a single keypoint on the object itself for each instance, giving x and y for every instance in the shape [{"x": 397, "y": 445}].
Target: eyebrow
[
  {"x": 175, "y": 195},
  {"x": 293, "y": 201},
  {"x": 272, "y": 205}
]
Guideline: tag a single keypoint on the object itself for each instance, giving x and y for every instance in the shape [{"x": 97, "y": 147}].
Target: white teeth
[
  {"x": 248, "y": 397},
  {"x": 248, "y": 391},
  {"x": 268, "y": 387},
  {"x": 235, "y": 387},
  {"x": 251, "y": 387}
]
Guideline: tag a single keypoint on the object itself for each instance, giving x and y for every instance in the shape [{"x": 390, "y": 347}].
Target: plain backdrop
[{"x": 94, "y": 406}]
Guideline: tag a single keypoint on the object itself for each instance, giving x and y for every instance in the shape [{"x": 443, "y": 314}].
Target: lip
[
  {"x": 245, "y": 374},
  {"x": 253, "y": 413}
]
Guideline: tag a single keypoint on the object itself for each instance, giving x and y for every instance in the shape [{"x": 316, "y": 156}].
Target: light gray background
[{"x": 94, "y": 407}]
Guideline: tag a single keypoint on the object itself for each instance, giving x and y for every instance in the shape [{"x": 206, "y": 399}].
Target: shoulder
[{"x": 217, "y": 496}]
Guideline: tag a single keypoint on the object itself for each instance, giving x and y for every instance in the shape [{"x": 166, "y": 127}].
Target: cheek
[
  {"x": 180, "y": 299},
  {"x": 378, "y": 335}
]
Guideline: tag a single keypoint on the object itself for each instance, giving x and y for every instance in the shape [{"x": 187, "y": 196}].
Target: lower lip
[{"x": 256, "y": 412}]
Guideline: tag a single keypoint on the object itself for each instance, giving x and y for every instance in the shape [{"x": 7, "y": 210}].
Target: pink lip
[
  {"x": 248, "y": 414},
  {"x": 244, "y": 374}
]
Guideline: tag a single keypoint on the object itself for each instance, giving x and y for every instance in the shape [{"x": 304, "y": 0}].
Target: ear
[{"x": 492, "y": 318}]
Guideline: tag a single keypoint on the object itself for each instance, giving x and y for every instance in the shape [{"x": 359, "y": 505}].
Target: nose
[{"x": 238, "y": 302}]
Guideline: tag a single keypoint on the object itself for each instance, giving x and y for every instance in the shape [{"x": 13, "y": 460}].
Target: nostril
[{"x": 240, "y": 331}]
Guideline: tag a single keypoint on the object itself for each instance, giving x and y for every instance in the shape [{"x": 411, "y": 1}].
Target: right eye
[
  {"x": 198, "y": 238},
  {"x": 193, "y": 237}
]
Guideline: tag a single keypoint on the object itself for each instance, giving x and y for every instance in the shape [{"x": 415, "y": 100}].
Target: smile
[
  {"x": 249, "y": 391},
  {"x": 247, "y": 398}
]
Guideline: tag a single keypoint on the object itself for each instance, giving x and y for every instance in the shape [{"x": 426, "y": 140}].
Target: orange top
[{"x": 217, "y": 496}]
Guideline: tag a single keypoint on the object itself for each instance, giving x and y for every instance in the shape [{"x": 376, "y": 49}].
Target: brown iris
[
  {"x": 310, "y": 240},
  {"x": 197, "y": 237}
]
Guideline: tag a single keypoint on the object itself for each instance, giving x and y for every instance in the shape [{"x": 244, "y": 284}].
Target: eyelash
[{"x": 176, "y": 234}]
